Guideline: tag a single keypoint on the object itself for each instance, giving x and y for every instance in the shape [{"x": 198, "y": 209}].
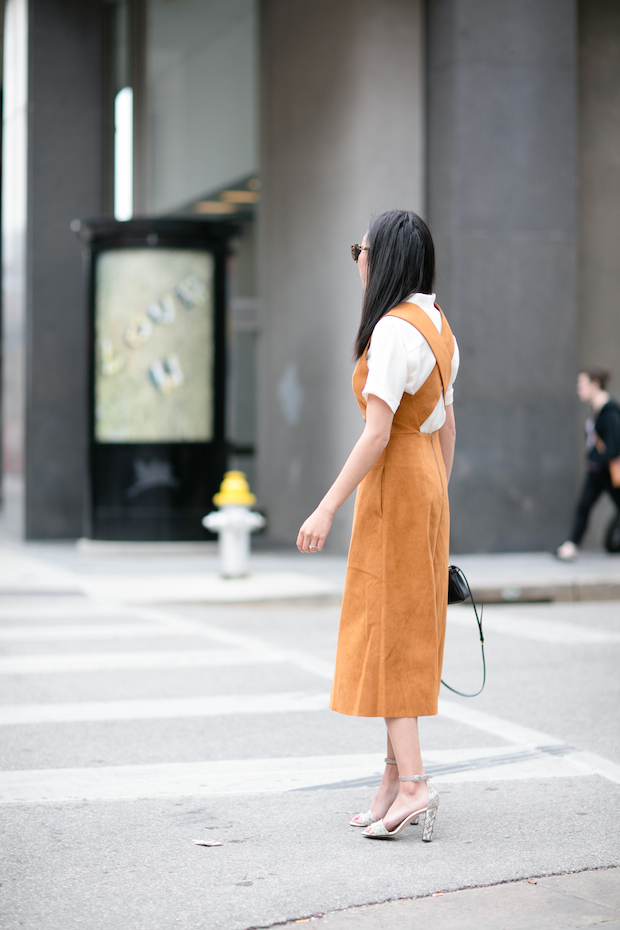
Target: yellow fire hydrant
[{"x": 233, "y": 523}]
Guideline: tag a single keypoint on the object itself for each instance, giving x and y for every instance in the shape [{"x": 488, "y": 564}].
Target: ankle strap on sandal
[
  {"x": 413, "y": 777},
  {"x": 390, "y": 761}
]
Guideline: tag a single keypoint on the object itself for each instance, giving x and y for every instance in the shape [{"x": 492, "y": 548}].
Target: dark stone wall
[
  {"x": 65, "y": 171},
  {"x": 502, "y": 197},
  {"x": 342, "y": 136}
]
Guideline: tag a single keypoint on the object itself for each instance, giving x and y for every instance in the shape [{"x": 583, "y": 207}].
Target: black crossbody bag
[{"x": 458, "y": 592}]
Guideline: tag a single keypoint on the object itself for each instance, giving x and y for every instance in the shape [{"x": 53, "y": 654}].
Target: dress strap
[{"x": 442, "y": 344}]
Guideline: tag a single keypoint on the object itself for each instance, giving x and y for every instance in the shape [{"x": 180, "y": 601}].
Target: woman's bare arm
[
  {"x": 365, "y": 453},
  {"x": 447, "y": 438}
]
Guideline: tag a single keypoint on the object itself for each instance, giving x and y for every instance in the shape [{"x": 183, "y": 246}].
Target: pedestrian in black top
[{"x": 602, "y": 447}]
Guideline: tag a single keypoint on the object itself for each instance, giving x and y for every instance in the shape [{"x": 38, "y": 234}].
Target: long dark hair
[{"x": 401, "y": 261}]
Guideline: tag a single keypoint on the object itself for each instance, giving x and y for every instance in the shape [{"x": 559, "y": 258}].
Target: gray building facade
[{"x": 497, "y": 120}]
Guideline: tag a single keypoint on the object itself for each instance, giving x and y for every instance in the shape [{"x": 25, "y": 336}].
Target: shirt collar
[{"x": 425, "y": 301}]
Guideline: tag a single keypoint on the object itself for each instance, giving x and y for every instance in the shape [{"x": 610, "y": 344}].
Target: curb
[{"x": 514, "y": 594}]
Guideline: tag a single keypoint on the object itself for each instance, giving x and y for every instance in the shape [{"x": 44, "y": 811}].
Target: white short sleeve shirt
[{"x": 400, "y": 360}]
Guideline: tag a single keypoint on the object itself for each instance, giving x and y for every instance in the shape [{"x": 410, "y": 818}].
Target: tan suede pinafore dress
[{"x": 393, "y": 620}]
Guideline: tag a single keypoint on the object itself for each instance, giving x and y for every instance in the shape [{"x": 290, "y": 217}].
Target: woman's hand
[
  {"x": 314, "y": 531},
  {"x": 365, "y": 453}
]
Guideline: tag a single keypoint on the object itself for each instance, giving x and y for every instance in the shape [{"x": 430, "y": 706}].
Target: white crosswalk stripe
[
  {"x": 523, "y": 626},
  {"x": 102, "y": 661},
  {"x": 164, "y": 708},
  {"x": 42, "y": 633},
  {"x": 60, "y": 608},
  {"x": 260, "y": 776}
]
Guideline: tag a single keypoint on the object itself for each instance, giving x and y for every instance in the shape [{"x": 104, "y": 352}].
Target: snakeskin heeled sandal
[
  {"x": 378, "y": 830},
  {"x": 368, "y": 818}
]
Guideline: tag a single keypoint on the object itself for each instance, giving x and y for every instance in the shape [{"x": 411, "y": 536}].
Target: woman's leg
[
  {"x": 388, "y": 789},
  {"x": 412, "y": 795},
  {"x": 593, "y": 487}
]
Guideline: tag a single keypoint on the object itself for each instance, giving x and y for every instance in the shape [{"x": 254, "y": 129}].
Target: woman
[
  {"x": 390, "y": 644},
  {"x": 602, "y": 448}
]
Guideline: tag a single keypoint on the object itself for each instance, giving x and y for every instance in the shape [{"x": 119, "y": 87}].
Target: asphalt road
[{"x": 127, "y": 733}]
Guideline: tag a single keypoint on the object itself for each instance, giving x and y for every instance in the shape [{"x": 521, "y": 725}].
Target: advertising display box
[{"x": 157, "y": 344}]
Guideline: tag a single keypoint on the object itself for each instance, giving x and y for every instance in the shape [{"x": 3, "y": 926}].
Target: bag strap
[{"x": 481, "y": 634}]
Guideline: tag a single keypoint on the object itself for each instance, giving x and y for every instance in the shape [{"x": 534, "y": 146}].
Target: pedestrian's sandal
[{"x": 378, "y": 830}]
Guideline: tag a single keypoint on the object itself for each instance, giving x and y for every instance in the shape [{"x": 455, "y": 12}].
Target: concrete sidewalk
[
  {"x": 559, "y": 902},
  {"x": 539, "y": 576},
  {"x": 177, "y": 573}
]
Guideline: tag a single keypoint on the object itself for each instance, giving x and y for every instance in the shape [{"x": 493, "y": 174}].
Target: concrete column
[
  {"x": 599, "y": 209},
  {"x": 342, "y": 138},
  {"x": 599, "y": 189},
  {"x": 45, "y": 389},
  {"x": 502, "y": 125}
]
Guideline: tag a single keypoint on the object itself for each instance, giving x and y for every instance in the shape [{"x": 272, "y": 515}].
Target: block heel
[{"x": 431, "y": 813}]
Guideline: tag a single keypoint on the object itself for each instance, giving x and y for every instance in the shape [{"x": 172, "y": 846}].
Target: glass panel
[
  {"x": 123, "y": 154},
  {"x": 154, "y": 346},
  {"x": 202, "y": 99}
]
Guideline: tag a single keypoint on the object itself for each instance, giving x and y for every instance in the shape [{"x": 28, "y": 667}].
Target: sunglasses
[{"x": 356, "y": 251}]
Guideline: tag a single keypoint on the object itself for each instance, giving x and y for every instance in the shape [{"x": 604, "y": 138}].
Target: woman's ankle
[
  {"x": 390, "y": 774},
  {"x": 411, "y": 789}
]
